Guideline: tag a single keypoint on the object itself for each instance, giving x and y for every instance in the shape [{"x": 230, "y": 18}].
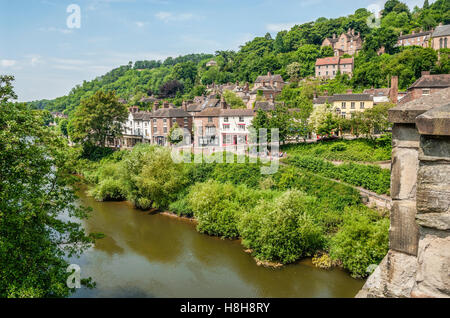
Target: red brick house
[
  {"x": 329, "y": 67},
  {"x": 426, "y": 85}
]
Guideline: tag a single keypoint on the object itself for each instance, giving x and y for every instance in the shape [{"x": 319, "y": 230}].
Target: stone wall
[{"x": 418, "y": 261}]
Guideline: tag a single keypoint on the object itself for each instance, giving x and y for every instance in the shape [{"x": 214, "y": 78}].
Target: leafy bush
[
  {"x": 109, "y": 190},
  {"x": 282, "y": 229},
  {"x": 154, "y": 179},
  {"x": 367, "y": 176},
  {"x": 363, "y": 240},
  {"x": 217, "y": 207}
]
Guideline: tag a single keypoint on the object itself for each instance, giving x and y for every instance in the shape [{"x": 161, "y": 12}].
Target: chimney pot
[{"x": 393, "y": 92}]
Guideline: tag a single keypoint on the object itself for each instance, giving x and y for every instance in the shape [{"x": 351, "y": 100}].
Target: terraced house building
[
  {"x": 329, "y": 67},
  {"x": 346, "y": 104}
]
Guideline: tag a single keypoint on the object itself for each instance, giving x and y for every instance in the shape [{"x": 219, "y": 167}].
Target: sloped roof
[
  {"x": 432, "y": 81},
  {"x": 408, "y": 36},
  {"x": 169, "y": 113},
  {"x": 268, "y": 78},
  {"x": 442, "y": 30},
  {"x": 328, "y": 60},
  {"x": 219, "y": 112},
  {"x": 342, "y": 97}
]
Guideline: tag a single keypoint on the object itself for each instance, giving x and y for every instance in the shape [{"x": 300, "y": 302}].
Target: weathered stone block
[
  {"x": 405, "y": 164},
  {"x": 404, "y": 232},
  {"x": 435, "y": 146},
  {"x": 394, "y": 277},
  {"x": 405, "y": 135},
  {"x": 433, "y": 188},
  {"x": 433, "y": 273}
]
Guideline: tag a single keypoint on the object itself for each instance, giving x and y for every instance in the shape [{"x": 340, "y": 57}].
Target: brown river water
[{"x": 154, "y": 255}]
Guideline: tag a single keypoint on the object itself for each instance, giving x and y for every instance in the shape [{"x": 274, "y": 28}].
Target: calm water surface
[{"x": 148, "y": 255}]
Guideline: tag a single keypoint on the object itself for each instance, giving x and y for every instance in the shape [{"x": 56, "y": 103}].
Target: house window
[
  {"x": 155, "y": 130},
  {"x": 343, "y": 114},
  {"x": 226, "y": 127},
  {"x": 165, "y": 130},
  {"x": 241, "y": 119},
  {"x": 225, "y": 119},
  {"x": 353, "y": 105},
  {"x": 186, "y": 122},
  {"x": 210, "y": 119},
  {"x": 425, "y": 91},
  {"x": 241, "y": 127},
  {"x": 361, "y": 105},
  {"x": 344, "y": 105},
  {"x": 174, "y": 120},
  {"x": 154, "y": 122}
]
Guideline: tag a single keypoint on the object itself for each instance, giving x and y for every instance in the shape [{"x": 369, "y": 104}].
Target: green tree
[
  {"x": 36, "y": 199},
  {"x": 233, "y": 100},
  {"x": 97, "y": 118}
]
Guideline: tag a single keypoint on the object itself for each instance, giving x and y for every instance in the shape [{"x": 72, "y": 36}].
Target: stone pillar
[{"x": 418, "y": 261}]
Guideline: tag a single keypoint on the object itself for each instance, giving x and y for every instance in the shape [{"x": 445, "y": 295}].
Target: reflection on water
[{"x": 148, "y": 255}]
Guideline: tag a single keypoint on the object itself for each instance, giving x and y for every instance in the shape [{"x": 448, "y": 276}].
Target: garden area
[{"x": 279, "y": 218}]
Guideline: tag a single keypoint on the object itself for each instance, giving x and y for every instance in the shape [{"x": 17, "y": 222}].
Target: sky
[{"x": 49, "y": 56}]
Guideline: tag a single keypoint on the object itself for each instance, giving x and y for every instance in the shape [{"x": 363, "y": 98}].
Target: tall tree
[
  {"x": 36, "y": 201},
  {"x": 97, "y": 118}
]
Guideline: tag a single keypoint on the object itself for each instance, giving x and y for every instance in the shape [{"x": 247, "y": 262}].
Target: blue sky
[{"x": 48, "y": 58}]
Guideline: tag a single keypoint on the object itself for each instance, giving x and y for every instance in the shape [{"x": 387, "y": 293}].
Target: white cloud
[
  {"x": 7, "y": 63},
  {"x": 277, "y": 27},
  {"x": 140, "y": 24},
  {"x": 53, "y": 29},
  {"x": 171, "y": 17}
]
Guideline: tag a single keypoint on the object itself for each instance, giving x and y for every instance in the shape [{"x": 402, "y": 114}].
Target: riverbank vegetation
[
  {"x": 369, "y": 177},
  {"x": 357, "y": 150},
  {"x": 280, "y": 218}
]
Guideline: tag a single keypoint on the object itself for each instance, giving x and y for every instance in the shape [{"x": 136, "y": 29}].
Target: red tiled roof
[
  {"x": 328, "y": 60},
  {"x": 335, "y": 60}
]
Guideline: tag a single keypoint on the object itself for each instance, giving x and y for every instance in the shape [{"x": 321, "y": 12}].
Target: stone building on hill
[{"x": 347, "y": 43}]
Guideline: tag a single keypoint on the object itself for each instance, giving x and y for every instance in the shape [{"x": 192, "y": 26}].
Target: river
[{"x": 153, "y": 255}]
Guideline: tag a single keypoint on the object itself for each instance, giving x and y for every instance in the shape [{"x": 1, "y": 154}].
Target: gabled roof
[
  {"x": 328, "y": 60},
  {"x": 169, "y": 113},
  {"x": 342, "y": 97},
  {"x": 432, "y": 81},
  {"x": 219, "y": 112},
  {"x": 268, "y": 78},
  {"x": 442, "y": 30},
  {"x": 415, "y": 35}
]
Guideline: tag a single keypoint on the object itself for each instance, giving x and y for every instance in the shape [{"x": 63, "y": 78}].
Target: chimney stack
[
  {"x": 425, "y": 73},
  {"x": 413, "y": 32},
  {"x": 325, "y": 92},
  {"x": 349, "y": 91},
  {"x": 223, "y": 103},
  {"x": 334, "y": 36},
  {"x": 184, "y": 106},
  {"x": 166, "y": 104},
  {"x": 155, "y": 106},
  {"x": 393, "y": 92}
]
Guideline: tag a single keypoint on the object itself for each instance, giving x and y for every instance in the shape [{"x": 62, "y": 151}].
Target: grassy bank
[
  {"x": 280, "y": 218},
  {"x": 369, "y": 177},
  {"x": 358, "y": 150}
]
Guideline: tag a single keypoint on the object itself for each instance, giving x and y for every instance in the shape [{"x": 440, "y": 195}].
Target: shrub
[
  {"x": 109, "y": 190},
  {"x": 218, "y": 207},
  {"x": 363, "y": 240},
  {"x": 282, "y": 230}
]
